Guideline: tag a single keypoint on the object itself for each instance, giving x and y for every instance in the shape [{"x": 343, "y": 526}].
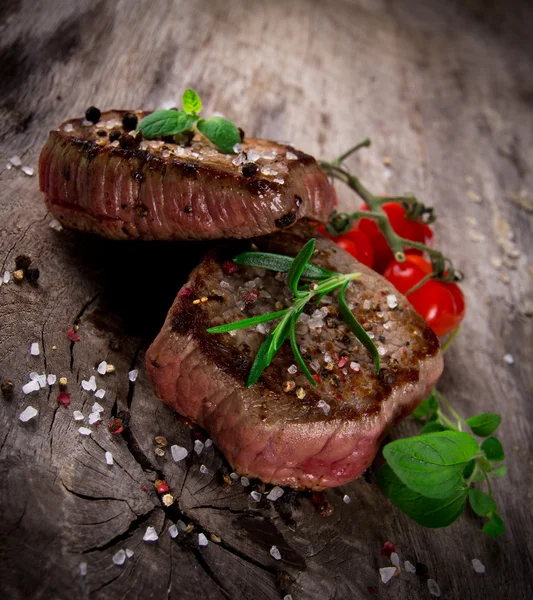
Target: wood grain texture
[{"x": 443, "y": 89}]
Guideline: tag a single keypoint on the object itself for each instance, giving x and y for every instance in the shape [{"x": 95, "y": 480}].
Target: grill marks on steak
[
  {"x": 264, "y": 431},
  {"x": 131, "y": 189}
]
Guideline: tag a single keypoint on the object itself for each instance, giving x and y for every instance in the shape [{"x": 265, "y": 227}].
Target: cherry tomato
[
  {"x": 355, "y": 242},
  {"x": 404, "y": 227},
  {"x": 440, "y": 303}
]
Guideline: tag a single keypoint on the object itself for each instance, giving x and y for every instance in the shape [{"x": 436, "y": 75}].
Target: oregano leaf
[
  {"x": 495, "y": 527},
  {"x": 493, "y": 449},
  {"x": 165, "y": 122},
  {"x": 482, "y": 504},
  {"x": 484, "y": 424},
  {"x": 222, "y": 133},
  {"x": 191, "y": 102}
]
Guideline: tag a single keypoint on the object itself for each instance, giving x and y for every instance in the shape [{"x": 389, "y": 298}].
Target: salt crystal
[
  {"x": 41, "y": 379},
  {"x": 119, "y": 558},
  {"x": 68, "y": 127},
  {"x": 275, "y": 553},
  {"x": 89, "y": 385},
  {"x": 15, "y": 161},
  {"x": 395, "y": 559},
  {"x": 83, "y": 569},
  {"x": 479, "y": 567},
  {"x": 292, "y": 369},
  {"x": 409, "y": 567},
  {"x": 27, "y": 170},
  {"x": 367, "y": 304},
  {"x": 8, "y": 166},
  {"x": 173, "y": 531},
  {"x": 392, "y": 301},
  {"x": 28, "y": 413},
  {"x": 256, "y": 496},
  {"x": 279, "y": 180},
  {"x": 287, "y": 597},
  {"x": 198, "y": 446},
  {"x": 55, "y": 224},
  {"x": 178, "y": 452},
  {"x": 224, "y": 284},
  {"x": 371, "y": 335},
  {"x": 315, "y": 365},
  {"x": 509, "y": 359},
  {"x": 433, "y": 587},
  {"x": 261, "y": 328},
  {"x": 202, "y": 540},
  {"x": 346, "y": 499},
  {"x": 87, "y": 123},
  {"x": 204, "y": 470},
  {"x": 150, "y": 535},
  {"x": 181, "y": 525},
  {"x": 355, "y": 366},
  {"x": 275, "y": 493},
  {"x": 31, "y": 386},
  {"x": 99, "y": 393},
  {"x": 237, "y": 148},
  {"x": 129, "y": 553},
  {"x": 208, "y": 443},
  {"x": 77, "y": 415},
  {"x": 382, "y": 350},
  {"x": 327, "y": 357},
  {"x": 387, "y": 573},
  {"x": 291, "y": 156},
  {"x": 109, "y": 458},
  {"x": 252, "y": 155},
  {"x": 33, "y": 375},
  {"x": 324, "y": 406},
  {"x": 51, "y": 379},
  {"x": 84, "y": 431},
  {"x": 245, "y": 482},
  {"x": 234, "y": 476},
  {"x": 132, "y": 375},
  {"x": 102, "y": 368},
  {"x": 239, "y": 159},
  {"x": 97, "y": 408},
  {"x": 34, "y": 348}
]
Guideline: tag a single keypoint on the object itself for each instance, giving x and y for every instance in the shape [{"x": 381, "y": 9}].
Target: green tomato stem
[
  {"x": 450, "y": 339},
  {"x": 364, "y": 144}
]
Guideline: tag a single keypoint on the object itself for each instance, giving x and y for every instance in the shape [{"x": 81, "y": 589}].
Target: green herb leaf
[
  {"x": 298, "y": 266},
  {"x": 296, "y": 351},
  {"x": 495, "y": 527},
  {"x": 432, "y": 464},
  {"x": 222, "y": 133},
  {"x": 469, "y": 469},
  {"x": 247, "y": 322},
  {"x": 493, "y": 449},
  {"x": 482, "y": 504},
  {"x": 429, "y": 512},
  {"x": 279, "y": 335},
  {"x": 279, "y": 263},
  {"x": 260, "y": 362},
  {"x": 500, "y": 471},
  {"x": 165, "y": 122},
  {"x": 484, "y": 424},
  {"x": 191, "y": 102},
  {"x": 426, "y": 407},
  {"x": 357, "y": 328},
  {"x": 432, "y": 427}
]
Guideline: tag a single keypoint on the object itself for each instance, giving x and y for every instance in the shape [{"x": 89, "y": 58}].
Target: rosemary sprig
[{"x": 296, "y": 268}]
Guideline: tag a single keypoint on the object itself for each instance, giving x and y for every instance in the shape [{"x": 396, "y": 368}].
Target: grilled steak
[
  {"x": 283, "y": 430},
  {"x": 102, "y": 179}
]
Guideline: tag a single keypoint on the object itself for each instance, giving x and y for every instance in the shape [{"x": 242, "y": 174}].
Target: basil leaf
[
  {"x": 296, "y": 351},
  {"x": 298, "y": 266},
  {"x": 191, "y": 102},
  {"x": 495, "y": 527},
  {"x": 165, "y": 122},
  {"x": 484, "y": 424},
  {"x": 357, "y": 328},
  {"x": 482, "y": 504},
  {"x": 260, "y": 363},
  {"x": 222, "y": 133},
  {"x": 429, "y": 512},
  {"x": 432, "y": 464},
  {"x": 280, "y": 263},
  {"x": 493, "y": 449},
  {"x": 246, "y": 322}
]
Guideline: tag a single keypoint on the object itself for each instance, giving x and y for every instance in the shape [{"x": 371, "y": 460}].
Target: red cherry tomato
[
  {"x": 355, "y": 242},
  {"x": 440, "y": 303},
  {"x": 404, "y": 227}
]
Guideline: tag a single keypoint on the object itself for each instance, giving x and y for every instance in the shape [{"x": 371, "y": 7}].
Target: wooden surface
[{"x": 445, "y": 89}]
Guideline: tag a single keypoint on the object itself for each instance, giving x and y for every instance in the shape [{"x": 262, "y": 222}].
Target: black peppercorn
[
  {"x": 101, "y": 133},
  {"x": 129, "y": 121},
  {"x": 7, "y": 388},
  {"x": 127, "y": 142},
  {"x": 249, "y": 169},
  {"x": 22, "y": 261},
  {"x": 92, "y": 114},
  {"x": 32, "y": 275},
  {"x": 114, "y": 134}
]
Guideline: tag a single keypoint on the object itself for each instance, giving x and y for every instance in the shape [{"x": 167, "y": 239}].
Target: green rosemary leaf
[
  {"x": 280, "y": 263},
  {"x": 260, "y": 362},
  {"x": 279, "y": 336},
  {"x": 247, "y": 322},
  {"x": 298, "y": 266},
  {"x": 191, "y": 102},
  {"x": 356, "y": 327},
  {"x": 296, "y": 351}
]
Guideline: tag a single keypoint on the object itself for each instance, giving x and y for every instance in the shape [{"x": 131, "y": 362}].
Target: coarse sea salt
[
  {"x": 387, "y": 573},
  {"x": 119, "y": 558},
  {"x": 204, "y": 470},
  {"x": 90, "y": 384},
  {"x": 181, "y": 525},
  {"x": 34, "y": 348},
  {"x": 275, "y": 493},
  {"x": 275, "y": 553},
  {"x": 68, "y": 127},
  {"x": 97, "y": 408},
  {"x": 346, "y": 499},
  {"x": 256, "y": 496},
  {"x": 173, "y": 531},
  {"x": 509, "y": 359},
  {"x": 252, "y": 155},
  {"x": 55, "y": 225},
  {"x": 208, "y": 443},
  {"x": 31, "y": 386},
  {"x": 150, "y": 535},
  {"x": 291, "y": 156},
  {"x": 202, "y": 540},
  {"x": 77, "y": 415},
  {"x": 293, "y": 369},
  {"x": 27, "y": 170},
  {"x": 433, "y": 588},
  {"x": 324, "y": 406},
  {"x": 479, "y": 567},
  {"x": 355, "y": 366},
  {"x": 129, "y": 553},
  {"x": 102, "y": 368},
  {"x": 41, "y": 379},
  {"x": 234, "y": 476},
  {"x": 99, "y": 393},
  {"x": 392, "y": 301},
  {"x": 109, "y": 458},
  {"x": 28, "y": 413},
  {"x": 15, "y": 161},
  {"x": 83, "y": 569},
  {"x": 51, "y": 379},
  {"x": 198, "y": 446},
  {"x": 84, "y": 431},
  {"x": 7, "y": 277},
  {"x": 245, "y": 482},
  {"x": 178, "y": 453},
  {"x": 8, "y": 166},
  {"x": 395, "y": 559},
  {"x": 409, "y": 567},
  {"x": 132, "y": 375}
]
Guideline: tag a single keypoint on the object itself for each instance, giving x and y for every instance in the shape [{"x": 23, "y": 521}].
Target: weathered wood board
[{"x": 443, "y": 89}]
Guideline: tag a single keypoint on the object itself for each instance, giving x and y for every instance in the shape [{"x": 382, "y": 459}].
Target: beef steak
[
  {"x": 283, "y": 430},
  {"x": 105, "y": 180}
]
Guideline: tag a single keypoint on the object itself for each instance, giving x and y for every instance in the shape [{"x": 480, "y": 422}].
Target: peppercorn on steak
[
  {"x": 282, "y": 429},
  {"x": 104, "y": 178}
]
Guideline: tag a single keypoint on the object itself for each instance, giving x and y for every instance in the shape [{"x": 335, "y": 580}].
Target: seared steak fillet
[
  {"x": 331, "y": 435},
  {"x": 127, "y": 188}
]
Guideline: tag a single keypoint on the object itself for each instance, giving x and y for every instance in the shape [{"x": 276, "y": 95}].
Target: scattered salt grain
[
  {"x": 237, "y": 148},
  {"x": 198, "y": 446},
  {"x": 31, "y": 386},
  {"x": 41, "y": 379},
  {"x": 55, "y": 224},
  {"x": 27, "y": 170},
  {"x": 252, "y": 155},
  {"x": 355, "y": 366},
  {"x": 84, "y": 431},
  {"x": 392, "y": 301},
  {"x": 382, "y": 350},
  {"x": 275, "y": 553},
  {"x": 315, "y": 365},
  {"x": 77, "y": 415},
  {"x": 99, "y": 393},
  {"x": 224, "y": 284},
  {"x": 7, "y": 277},
  {"x": 256, "y": 496},
  {"x": 479, "y": 567},
  {"x": 234, "y": 476},
  {"x": 367, "y": 304},
  {"x": 109, "y": 458},
  {"x": 119, "y": 558},
  {"x": 8, "y": 166},
  {"x": 51, "y": 379},
  {"x": 433, "y": 588},
  {"x": 181, "y": 525},
  {"x": 83, "y": 569},
  {"x": 509, "y": 359},
  {"x": 102, "y": 368},
  {"x": 245, "y": 482},
  {"x": 292, "y": 369},
  {"x": 287, "y": 597},
  {"x": 387, "y": 573},
  {"x": 409, "y": 567},
  {"x": 34, "y": 348},
  {"x": 178, "y": 452},
  {"x": 208, "y": 443},
  {"x": 173, "y": 531},
  {"x": 324, "y": 406},
  {"x": 129, "y": 553},
  {"x": 150, "y": 535},
  {"x": 204, "y": 470},
  {"x": 279, "y": 180},
  {"x": 239, "y": 159},
  {"x": 87, "y": 123},
  {"x": 275, "y": 493},
  {"x": 89, "y": 385},
  {"x": 97, "y": 408},
  {"x": 132, "y": 375},
  {"x": 395, "y": 559},
  {"x": 261, "y": 328},
  {"x": 28, "y": 413},
  {"x": 202, "y": 540},
  {"x": 68, "y": 127},
  {"x": 346, "y": 499},
  {"x": 15, "y": 161},
  {"x": 291, "y": 156}
]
